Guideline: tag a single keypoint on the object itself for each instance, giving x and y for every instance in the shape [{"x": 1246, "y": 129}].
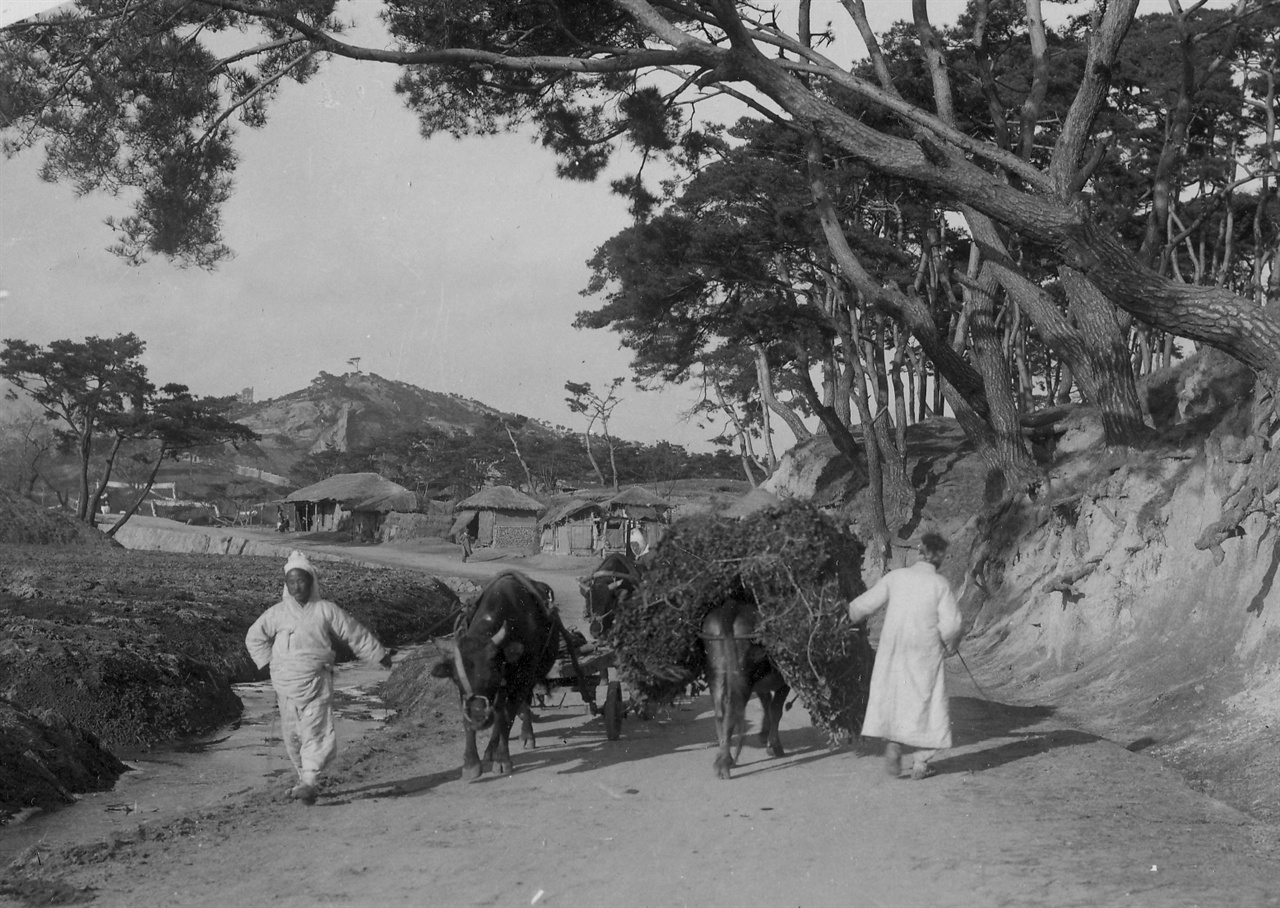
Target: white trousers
[{"x": 307, "y": 729}]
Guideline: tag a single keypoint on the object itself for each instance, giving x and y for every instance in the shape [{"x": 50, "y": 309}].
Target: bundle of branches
[{"x": 797, "y": 565}]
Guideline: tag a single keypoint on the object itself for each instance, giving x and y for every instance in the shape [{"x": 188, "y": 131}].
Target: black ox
[
  {"x": 737, "y": 667},
  {"x": 612, "y": 582},
  {"x": 502, "y": 649}
]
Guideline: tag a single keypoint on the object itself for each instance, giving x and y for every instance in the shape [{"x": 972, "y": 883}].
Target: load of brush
[{"x": 799, "y": 567}]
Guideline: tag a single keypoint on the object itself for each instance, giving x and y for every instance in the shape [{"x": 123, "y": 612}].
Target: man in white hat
[
  {"x": 907, "y": 705},
  {"x": 295, "y": 636},
  {"x": 639, "y": 545}
]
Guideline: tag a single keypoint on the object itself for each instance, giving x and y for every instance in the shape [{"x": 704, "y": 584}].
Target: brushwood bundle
[{"x": 797, "y": 565}]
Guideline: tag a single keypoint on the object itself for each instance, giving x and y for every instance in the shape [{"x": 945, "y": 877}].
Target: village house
[
  {"x": 499, "y": 517},
  {"x": 572, "y": 528},
  {"x": 348, "y": 501},
  {"x": 633, "y": 519}
]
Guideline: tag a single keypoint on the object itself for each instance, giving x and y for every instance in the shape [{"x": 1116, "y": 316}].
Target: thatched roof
[
  {"x": 570, "y": 508},
  {"x": 499, "y": 498},
  {"x": 459, "y": 523},
  {"x": 638, "y": 495},
  {"x": 359, "y": 492}
]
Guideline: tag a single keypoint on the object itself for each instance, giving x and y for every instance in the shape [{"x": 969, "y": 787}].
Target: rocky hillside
[
  {"x": 1103, "y": 605},
  {"x": 1095, "y": 597},
  {"x": 350, "y": 411}
]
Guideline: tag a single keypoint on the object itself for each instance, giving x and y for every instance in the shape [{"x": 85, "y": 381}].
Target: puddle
[{"x": 170, "y": 781}]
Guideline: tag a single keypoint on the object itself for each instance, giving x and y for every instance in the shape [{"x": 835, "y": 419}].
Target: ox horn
[
  {"x": 461, "y": 671},
  {"x": 500, "y": 635}
]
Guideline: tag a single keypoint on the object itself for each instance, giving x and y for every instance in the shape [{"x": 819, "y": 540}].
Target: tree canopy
[
  {"x": 134, "y": 94},
  {"x": 96, "y": 395},
  {"x": 1114, "y": 176}
]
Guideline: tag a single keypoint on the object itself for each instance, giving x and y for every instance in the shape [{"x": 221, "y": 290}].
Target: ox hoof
[
  {"x": 502, "y": 769},
  {"x": 775, "y": 750},
  {"x": 471, "y": 773}
]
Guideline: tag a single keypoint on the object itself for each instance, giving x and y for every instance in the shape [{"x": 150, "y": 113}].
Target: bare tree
[{"x": 597, "y": 409}]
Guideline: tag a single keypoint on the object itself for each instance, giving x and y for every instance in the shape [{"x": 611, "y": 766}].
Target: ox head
[
  {"x": 605, "y": 589},
  {"x": 477, "y": 668},
  {"x": 602, "y": 596}
]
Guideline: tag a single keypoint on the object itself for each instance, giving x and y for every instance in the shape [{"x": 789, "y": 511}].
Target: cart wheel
[{"x": 613, "y": 711}]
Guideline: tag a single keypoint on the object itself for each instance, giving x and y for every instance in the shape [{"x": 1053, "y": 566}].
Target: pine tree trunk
[
  {"x": 137, "y": 502},
  {"x": 1115, "y": 393},
  {"x": 895, "y": 498},
  {"x": 85, "y": 450},
  {"x": 1016, "y": 465},
  {"x": 586, "y": 437},
  {"x": 764, "y": 379},
  {"x": 875, "y": 455},
  {"x": 91, "y": 517}
]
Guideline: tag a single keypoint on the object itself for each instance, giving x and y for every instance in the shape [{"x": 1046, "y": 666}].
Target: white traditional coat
[
  {"x": 297, "y": 641},
  {"x": 908, "y": 700}
]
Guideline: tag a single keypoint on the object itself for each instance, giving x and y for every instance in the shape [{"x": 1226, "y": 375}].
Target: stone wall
[{"x": 515, "y": 537}]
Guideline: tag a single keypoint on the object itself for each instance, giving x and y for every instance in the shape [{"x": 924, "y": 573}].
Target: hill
[{"x": 350, "y": 411}]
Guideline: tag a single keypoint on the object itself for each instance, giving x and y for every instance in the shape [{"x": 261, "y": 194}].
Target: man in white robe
[
  {"x": 295, "y": 636},
  {"x": 907, "y": 705}
]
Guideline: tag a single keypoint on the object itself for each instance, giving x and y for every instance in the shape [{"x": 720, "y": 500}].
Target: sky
[
  {"x": 16, "y": 10},
  {"x": 452, "y": 265}
]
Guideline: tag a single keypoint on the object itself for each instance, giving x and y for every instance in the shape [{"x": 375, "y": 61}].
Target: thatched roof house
[
  {"x": 638, "y": 503},
  {"x": 502, "y": 498},
  {"x": 572, "y": 528},
  {"x": 355, "y": 501},
  {"x": 634, "y": 520},
  {"x": 498, "y": 516}
]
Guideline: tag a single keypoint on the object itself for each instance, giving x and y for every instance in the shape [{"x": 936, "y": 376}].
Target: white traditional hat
[{"x": 298, "y": 561}]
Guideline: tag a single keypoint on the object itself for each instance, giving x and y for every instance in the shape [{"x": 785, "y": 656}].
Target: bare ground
[{"x": 1028, "y": 809}]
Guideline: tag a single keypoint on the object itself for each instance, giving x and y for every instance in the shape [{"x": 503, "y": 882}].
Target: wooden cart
[{"x": 586, "y": 669}]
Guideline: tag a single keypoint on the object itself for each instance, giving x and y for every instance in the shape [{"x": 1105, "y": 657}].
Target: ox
[
  {"x": 613, "y": 581},
  {"x": 737, "y": 667},
  {"x": 502, "y": 649}
]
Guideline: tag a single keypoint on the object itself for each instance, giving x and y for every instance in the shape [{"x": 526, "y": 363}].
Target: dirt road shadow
[
  {"x": 571, "y": 743},
  {"x": 581, "y": 746},
  {"x": 1028, "y": 746},
  {"x": 394, "y": 788},
  {"x": 974, "y": 721}
]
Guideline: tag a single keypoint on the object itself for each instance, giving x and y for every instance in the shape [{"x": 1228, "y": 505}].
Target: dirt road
[{"x": 1025, "y": 811}]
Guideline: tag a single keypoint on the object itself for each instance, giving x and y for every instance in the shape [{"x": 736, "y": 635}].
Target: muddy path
[
  {"x": 165, "y": 783},
  {"x": 1026, "y": 810}
]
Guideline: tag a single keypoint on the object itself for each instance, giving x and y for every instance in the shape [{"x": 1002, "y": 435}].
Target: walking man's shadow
[{"x": 974, "y": 721}]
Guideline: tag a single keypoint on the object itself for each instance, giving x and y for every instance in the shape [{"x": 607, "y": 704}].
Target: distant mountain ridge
[{"x": 352, "y": 411}]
